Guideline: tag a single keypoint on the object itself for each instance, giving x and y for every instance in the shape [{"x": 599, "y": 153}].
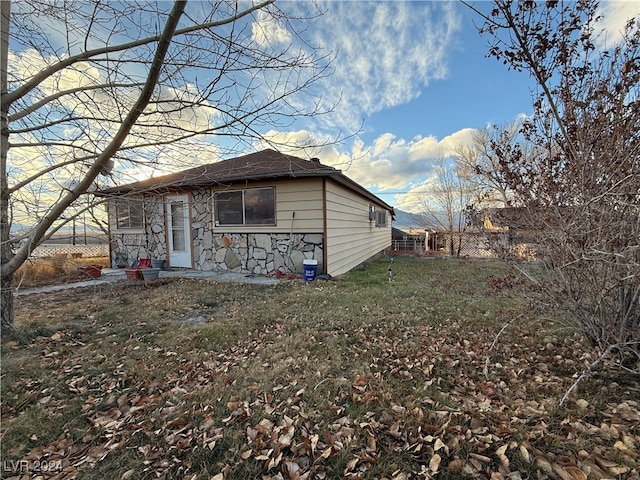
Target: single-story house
[
  {"x": 257, "y": 213},
  {"x": 507, "y": 219},
  {"x": 512, "y": 231}
]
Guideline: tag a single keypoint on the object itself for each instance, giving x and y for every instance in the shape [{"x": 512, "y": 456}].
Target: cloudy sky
[
  {"x": 413, "y": 80},
  {"x": 410, "y": 82}
]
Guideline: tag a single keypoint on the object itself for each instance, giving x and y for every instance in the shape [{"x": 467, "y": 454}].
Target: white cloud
[
  {"x": 389, "y": 164},
  {"x": 413, "y": 199},
  {"x": 168, "y": 159},
  {"x": 392, "y": 163},
  {"x": 387, "y": 52},
  {"x": 382, "y": 143},
  {"x": 102, "y": 110},
  {"x": 615, "y": 15},
  {"x": 30, "y": 62},
  {"x": 266, "y": 30}
]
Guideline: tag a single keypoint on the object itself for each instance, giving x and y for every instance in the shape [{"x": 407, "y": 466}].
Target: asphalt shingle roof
[{"x": 263, "y": 165}]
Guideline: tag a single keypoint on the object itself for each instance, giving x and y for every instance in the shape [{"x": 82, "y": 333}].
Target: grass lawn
[{"x": 356, "y": 377}]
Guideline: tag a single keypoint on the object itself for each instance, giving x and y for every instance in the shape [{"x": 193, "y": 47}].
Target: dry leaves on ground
[{"x": 420, "y": 407}]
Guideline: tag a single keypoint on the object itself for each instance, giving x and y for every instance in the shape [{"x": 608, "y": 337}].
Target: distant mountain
[{"x": 406, "y": 221}]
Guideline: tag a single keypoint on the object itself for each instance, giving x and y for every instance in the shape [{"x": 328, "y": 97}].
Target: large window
[
  {"x": 256, "y": 206},
  {"x": 129, "y": 214}
]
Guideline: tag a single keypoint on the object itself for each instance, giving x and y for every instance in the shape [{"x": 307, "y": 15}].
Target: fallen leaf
[
  {"x": 576, "y": 473},
  {"x": 524, "y": 453},
  {"x": 544, "y": 464},
  {"x": 351, "y": 464},
  {"x": 582, "y": 403},
  {"x": 456, "y": 465},
  {"x": 482, "y": 458},
  {"x": 434, "y": 463}
]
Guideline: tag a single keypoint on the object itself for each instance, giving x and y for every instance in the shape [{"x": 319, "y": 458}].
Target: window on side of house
[
  {"x": 256, "y": 206},
  {"x": 129, "y": 214},
  {"x": 381, "y": 218}
]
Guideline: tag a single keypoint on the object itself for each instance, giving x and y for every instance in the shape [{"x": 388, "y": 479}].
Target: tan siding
[
  {"x": 302, "y": 196},
  {"x": 352, "y": 238}
]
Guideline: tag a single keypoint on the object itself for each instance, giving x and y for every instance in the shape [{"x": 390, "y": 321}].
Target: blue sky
[
  {"x": 473, "y": 90},
  {"x": 415, "y": 77},
  {"x": 410, "y": 83},
  {"x": 414, "y": 80}
]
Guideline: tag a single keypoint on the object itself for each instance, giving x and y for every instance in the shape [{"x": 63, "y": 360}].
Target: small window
[
  {"x": 255, "y": 206},
  {"x": 381, "y": 218},
  {"x": 129, "y": 214}
]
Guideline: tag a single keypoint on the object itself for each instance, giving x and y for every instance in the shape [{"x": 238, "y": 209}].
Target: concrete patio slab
[{"x": 110, "y": 275}]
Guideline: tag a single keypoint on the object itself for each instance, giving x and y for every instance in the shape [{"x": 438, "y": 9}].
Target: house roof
[
  {"x": 264, "y": 165},
  {"x": 512, "y": 217}
]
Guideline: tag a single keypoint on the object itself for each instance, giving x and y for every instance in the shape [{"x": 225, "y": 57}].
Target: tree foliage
[
  {"x": 95, "y": 92},
  {"x": 581, "y": 187}
]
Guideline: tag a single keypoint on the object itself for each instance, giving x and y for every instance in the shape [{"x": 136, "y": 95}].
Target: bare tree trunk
[
  {"x": 12, "y": 261},
  {"x": 6, "y": 296},
  {"x": 169, "y": 110}
]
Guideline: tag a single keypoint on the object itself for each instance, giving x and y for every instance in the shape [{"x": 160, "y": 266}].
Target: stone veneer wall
[
  {"x": 261, "y": 253},
  {"x": 258, "y": 253},
  {"x": 151, "y": 243},
  {"x": 213, "y": 249}
]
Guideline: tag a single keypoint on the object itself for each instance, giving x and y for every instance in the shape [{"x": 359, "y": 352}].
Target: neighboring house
[
  {"x": 512, "y": 231},
  {"x": 258, "y": 213},
  {"x": 514, "y": 219}
]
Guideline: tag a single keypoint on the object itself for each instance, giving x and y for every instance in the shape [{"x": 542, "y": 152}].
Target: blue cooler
[{"x": 310, "y": 270}]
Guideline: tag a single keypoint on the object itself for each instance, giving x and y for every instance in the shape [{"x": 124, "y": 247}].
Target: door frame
[{"x": 187, "y": 261}]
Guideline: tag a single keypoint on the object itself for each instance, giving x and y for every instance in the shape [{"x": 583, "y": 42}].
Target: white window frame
[{"x": 126, "y": 203}]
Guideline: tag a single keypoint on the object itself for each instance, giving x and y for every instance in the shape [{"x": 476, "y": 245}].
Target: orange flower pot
[{"x": 92, "y": 270}]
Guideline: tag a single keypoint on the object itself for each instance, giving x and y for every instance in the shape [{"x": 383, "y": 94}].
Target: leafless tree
[
  {"x": 479, "y": 162},
  {"x": 93, "y": 90},
  {"x": 582, "y": 186},
  {"x": 444, "y": 202}
]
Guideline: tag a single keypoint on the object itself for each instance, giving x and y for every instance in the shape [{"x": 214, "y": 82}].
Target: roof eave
[{"x": 181, "y": 184}]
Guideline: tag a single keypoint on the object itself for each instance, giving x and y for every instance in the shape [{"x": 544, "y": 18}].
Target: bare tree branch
[
  {"x": 580, "y": 186},
  {"x": 72, "y": 109},
  {"x": 11, "y": 97}
]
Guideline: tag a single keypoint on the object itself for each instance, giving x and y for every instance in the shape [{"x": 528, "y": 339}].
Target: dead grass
[
  {"x": 37, "y": 272},
  {"x": 352, "y": 378}
]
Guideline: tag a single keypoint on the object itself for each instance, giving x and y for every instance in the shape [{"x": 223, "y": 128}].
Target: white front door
[{"x": 178, "y": 231}]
